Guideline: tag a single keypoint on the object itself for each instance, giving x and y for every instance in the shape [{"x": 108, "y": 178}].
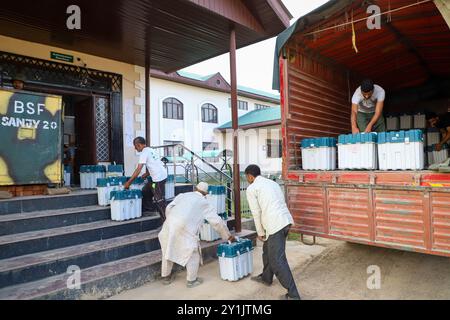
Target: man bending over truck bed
[{"x": 367, "y": 108}]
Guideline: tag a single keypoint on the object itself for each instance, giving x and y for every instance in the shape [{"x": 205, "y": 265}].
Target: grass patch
[
  {"x": 247, "y": 216},
  {"x": 293, "y": 236}
]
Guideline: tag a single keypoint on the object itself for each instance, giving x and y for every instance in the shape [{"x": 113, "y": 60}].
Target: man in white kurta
[{"x": 179, "y": 236}]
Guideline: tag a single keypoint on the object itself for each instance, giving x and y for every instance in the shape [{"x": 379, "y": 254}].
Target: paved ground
[{"x": 328, "y": 270}]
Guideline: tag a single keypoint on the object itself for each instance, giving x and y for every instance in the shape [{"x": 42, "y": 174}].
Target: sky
[{"x": 255, "y": 62}]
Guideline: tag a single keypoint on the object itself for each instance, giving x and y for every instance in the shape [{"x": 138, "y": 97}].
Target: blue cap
[
  {"x": 138, "y": 180},
  {"x": 404, "y": 136},
  {"x": 327, "y": 142},
  {"x": 102, "y": 182},
  {"x": 99, "y": 169},
  {"x": 224, "y": 216},
  {"x": 115, "y": 168},
  {"x": 371, "y": 137},
  {"x": 111, "y": 181},
  {"x": 126, "y": 195},
  {"x": 383, "y": 137},
  {"x": 306, "y": 143},
  {"x": 85, "y": 169},
  {"x": 228, "y": 250},
  {"x": 122, "y": 180},
  {"x": 217, "y": 190},
  {"x": 318, "y": 142},
  {"x": 92, "y": 169}
]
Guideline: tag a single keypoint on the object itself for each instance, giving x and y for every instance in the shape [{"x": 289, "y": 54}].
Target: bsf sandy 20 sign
[{"x": 30, "y": 138}]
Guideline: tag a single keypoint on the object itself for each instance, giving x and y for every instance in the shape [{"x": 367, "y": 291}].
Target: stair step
[
  {"x": 40, "y": 220},
  {"x": 40, "y": 265},
  {"x": 79, "y": 198},
  {"x": 102, "y": 281},
  {"x": 43, "y": 240},
  {"x": 143, "y": 266}
]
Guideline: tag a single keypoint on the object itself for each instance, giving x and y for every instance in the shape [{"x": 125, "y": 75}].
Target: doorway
[{"x": 87, "y": 132}]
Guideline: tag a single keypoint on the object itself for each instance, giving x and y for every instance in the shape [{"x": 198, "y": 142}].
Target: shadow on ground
[{"x": 328, "y": 270}]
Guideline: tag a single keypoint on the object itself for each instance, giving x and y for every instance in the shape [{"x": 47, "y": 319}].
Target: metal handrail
[
  {"x": 193, "y": 154},
  {"x": 224, "y": 179}
]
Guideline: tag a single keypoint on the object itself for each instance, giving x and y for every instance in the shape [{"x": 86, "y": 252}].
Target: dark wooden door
[{"x": 85, "y": 132}]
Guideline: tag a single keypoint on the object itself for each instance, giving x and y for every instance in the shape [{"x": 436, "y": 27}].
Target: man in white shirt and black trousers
[
  {"x": 273, "y": 222},
  {"x": 155, "y": 169}
]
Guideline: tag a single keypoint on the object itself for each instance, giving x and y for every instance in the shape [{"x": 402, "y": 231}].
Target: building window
[
  {"x": 274, "y": 148},
  {"x": 260, "y": 106},
  {"x": 242, "y": 105},
  {"x": 209, "y": 113},
  {"x": 211, "y": 146},
  {"x": 169, "y": 152},
  {"x": 172, "y": 109}
]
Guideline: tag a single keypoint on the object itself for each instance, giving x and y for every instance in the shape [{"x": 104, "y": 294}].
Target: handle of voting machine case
[{"x": 237, "y": 240}]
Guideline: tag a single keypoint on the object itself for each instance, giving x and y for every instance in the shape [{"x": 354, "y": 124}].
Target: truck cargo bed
[{"x": 389, "y": 209}]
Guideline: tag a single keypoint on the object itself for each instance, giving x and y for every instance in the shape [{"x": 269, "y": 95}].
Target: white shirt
[
  {"x": 154, "y": 165},
  {"x": 368, "y": 105},
  {"x": 269, "y": 209},
  {"x": 185, "y": 216}
]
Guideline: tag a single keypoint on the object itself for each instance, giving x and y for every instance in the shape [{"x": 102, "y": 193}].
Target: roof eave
[
  {"x": 201, "y": 84},
  {"x": 281, "y": 11},
  {"x": 254, "y": 125}
]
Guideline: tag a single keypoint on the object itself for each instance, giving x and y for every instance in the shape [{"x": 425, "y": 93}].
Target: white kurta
[{"x": 179, "y": 236}]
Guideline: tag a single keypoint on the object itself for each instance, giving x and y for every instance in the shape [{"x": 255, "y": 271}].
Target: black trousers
[
  {"x": 154, "y": 193},
  {"x": 275, "y": 262}
]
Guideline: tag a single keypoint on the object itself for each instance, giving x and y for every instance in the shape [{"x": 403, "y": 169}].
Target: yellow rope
[{"x": 354, "y": 38}]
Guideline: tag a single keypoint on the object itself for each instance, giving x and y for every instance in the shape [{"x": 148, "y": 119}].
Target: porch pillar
[
  {"x": 147, "y": 98},
  {"x": 234, "y": 115}
]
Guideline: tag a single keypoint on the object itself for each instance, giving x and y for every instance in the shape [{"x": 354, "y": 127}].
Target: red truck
[{"x": 321, "y": 61}]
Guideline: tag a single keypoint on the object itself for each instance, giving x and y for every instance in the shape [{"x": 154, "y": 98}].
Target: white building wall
[
  {"x": 192, "y": 131},
  {"x": 253, "y": 147}
]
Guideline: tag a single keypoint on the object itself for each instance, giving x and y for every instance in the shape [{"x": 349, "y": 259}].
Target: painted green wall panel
[{"x": 30, "y": 138}]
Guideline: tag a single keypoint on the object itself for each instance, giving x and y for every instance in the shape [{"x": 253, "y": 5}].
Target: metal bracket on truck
[{"x": 307, "y": 243}]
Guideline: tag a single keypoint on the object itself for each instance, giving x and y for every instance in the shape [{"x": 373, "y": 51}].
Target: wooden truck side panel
[
  {"x": 315, "y": 102},
  {"x": 405, "y": 218}
]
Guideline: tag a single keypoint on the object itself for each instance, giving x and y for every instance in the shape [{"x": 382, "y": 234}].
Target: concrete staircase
[{"x": 41, "y": 237}]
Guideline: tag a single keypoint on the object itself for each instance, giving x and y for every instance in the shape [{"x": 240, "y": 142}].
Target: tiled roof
[
  {"x": 241, "y": 89},
  {"x": 256, "y": 117}
]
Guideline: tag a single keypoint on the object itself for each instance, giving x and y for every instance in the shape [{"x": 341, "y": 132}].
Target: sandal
[
  {"x": 168, "y": 280},
  {"x": 195, "y": 283}
]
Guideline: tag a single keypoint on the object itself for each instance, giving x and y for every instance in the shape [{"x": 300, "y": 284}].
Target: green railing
[{"x": 190, "y": 168}]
